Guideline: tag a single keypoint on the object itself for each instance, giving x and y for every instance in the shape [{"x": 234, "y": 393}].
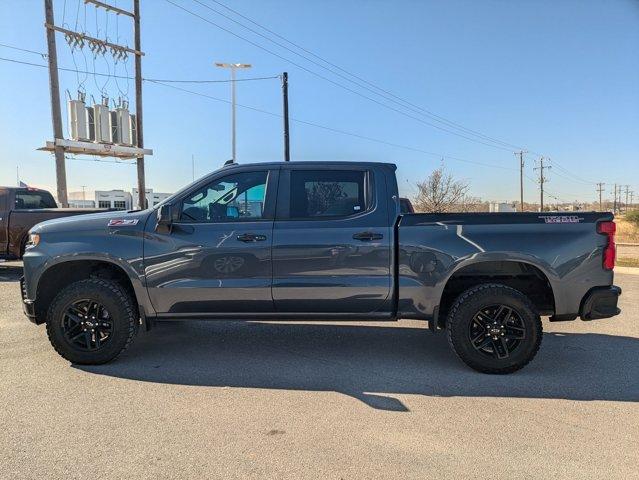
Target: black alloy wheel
[
  {"x": 87, "y": 325},
  {"x": 497, "y": 331}
]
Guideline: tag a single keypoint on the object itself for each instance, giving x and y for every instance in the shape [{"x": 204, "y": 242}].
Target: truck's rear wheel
[
  {"x": 494, "y": 328},
  {"x": 91, "y": 321}
]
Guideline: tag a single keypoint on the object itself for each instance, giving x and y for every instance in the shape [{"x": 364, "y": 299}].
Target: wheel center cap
[{"x": 495, "y": 331}]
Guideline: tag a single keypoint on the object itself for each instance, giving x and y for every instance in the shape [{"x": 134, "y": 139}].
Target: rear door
[{"x": 331, "y": 241}]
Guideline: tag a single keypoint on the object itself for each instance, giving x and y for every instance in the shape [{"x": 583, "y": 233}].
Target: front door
[
  {"x": 217, "y": 258},
  {"x": 331, "y": 242}
]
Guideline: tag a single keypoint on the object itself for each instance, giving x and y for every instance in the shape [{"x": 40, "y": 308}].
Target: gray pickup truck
[{"x": 317, "y": 241}]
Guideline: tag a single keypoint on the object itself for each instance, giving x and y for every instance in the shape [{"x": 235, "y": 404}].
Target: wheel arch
[
  {"x": 524, "y": 275},
  {"x": 64, "y": 272}
]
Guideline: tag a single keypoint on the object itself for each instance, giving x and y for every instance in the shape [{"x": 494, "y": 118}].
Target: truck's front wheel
[
  {"x": 91, "y": 321},
  {"x": 494, "y": 328}
]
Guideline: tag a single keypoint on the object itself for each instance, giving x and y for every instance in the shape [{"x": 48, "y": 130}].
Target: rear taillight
[{"x": 610, "y": 252}]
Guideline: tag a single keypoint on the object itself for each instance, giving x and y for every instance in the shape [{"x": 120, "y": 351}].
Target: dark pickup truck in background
[
  {"x": 317, "y": 241},
  {"x": 22, "y": 208}
]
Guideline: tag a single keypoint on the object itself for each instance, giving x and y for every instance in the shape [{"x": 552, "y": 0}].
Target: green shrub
[{"x": 633, "y": 217}]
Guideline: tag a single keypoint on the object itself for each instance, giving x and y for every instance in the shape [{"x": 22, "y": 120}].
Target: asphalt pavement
[{"x": 315, "y": 400}]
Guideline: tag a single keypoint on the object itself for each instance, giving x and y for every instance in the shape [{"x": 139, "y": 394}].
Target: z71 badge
[
  {"x": 123, "y": 222},
  {"x": 561, "y": 218}
]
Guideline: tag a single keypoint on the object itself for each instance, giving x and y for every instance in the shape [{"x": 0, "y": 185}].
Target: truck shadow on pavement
[{"x": 371, "y": 363}]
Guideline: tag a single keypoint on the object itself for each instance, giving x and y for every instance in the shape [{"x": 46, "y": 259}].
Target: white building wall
[
  {"x": 497, "y": 207},
  {"x": 81, "y": 203},
  {"x": 117, "y": 199},
  {"x": 152, "y": 198}
]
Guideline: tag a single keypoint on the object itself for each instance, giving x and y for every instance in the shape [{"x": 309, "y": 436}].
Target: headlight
[{"x": 34, "y": 239}]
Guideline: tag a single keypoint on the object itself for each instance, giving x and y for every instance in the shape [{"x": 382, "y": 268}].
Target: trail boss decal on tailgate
[
  {"x": 561, "y": 219},
  {"x": 122, "y": 222}
]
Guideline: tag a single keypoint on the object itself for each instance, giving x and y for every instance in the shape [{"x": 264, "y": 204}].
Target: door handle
[
  {"x": 368, "y": 236},
  {"x": 251, "y": 237}
]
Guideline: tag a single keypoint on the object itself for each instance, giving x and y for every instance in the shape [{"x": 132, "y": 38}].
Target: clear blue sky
[{"x": 558, "y": 78}]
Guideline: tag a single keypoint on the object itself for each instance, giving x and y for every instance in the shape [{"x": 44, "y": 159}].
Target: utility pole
[
  {"x": 542, "y": 179},
  {"x": 521, "y": 179},
  {"x": 233, "y": 67},
  {"x": 600, "y": 188},
  {"x": 632, "y": 195},
  {"x": 138, "y": 104},
  {"x": 56, "y": 112},
  {"x": 614, "y": 203},
  {"x": 627, "y": 193},
  {"x": 287, "y": 146},
  {"x": 60, "y": 145}
]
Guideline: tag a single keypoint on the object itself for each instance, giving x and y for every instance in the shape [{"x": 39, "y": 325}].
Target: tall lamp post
[{"x": 233, "y": 67}]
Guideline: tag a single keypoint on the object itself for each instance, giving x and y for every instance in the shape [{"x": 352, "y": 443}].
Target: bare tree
[{"x": 440, "y": 192}]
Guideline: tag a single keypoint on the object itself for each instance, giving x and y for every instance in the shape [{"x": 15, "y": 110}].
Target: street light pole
[
  {"x": 233, "y": 67},
  {"x": 287, "y": 144}
]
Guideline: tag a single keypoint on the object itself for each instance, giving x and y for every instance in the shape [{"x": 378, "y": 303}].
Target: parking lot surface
[{"x": 312, "y": 400}]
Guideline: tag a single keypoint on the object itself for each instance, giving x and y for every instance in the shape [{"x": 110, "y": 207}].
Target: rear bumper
[
  {"x": 600, "y": 302},
  {"x": 28, "y": 306}
]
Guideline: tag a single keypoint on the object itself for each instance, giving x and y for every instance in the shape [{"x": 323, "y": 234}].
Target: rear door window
[{"x": 324, "y": 194}]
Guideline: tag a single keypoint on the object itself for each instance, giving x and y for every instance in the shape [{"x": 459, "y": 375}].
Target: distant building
[
  {"x": 81, "y": 203},
  {"x": 116, "y": 199},
  {"x": 497, "y": 207},
  {"x": 123, "y": 200},
  {"x": 152, "y": 198}
]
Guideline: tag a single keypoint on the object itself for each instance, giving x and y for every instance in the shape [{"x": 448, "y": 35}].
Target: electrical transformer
[
  {"x": 78, "y": 120},
  {"x": 102, "y": 123},
  {"x": 113, "y": 120},
  {"x": 134, "y": 130},
  {"x": 123, "y": 126}
]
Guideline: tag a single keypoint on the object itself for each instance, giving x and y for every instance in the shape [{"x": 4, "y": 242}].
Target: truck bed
[{"x": 563, "y": 247}]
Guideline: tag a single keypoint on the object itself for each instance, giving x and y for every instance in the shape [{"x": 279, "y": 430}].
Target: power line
[
  {"x": 43, "y": 55},
  {"x": 572, "y": 177},
  {"x": 132, "y": 78},
  {"x": 421, "y": 120},
  {"x": 375, "y": 89},
  {"x": 335, "y": 130},
  {"x": 387, "y": 93}
]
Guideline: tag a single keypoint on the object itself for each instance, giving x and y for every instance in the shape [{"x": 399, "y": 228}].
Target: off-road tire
[
  {"x": 472, "y": 301},
  {"x": 119, "y": 304}
]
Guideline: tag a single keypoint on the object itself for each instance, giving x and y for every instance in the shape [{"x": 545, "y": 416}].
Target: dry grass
[
  {"x": 626, "y": 231},
  {"x": 627, "y": 262}
]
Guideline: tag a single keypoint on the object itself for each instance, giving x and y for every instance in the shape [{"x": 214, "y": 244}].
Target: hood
[{"x": 95, "y": 221}]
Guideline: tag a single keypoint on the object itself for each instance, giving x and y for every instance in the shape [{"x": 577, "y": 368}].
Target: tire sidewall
[{"x": 473, "y": 300}]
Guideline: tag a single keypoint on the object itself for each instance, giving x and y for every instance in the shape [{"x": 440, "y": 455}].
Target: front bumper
[
  {"x": 28, "y": 306},
  {"x": 600, "y": 302}
]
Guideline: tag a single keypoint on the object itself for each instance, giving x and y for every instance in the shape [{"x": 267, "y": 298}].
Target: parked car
[
  {"x": 22, "y": 208},
  {"x": 320, "y": 241}
]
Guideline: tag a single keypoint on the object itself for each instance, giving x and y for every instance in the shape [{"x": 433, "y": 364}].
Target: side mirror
[{"x": 165, "y": 219}]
